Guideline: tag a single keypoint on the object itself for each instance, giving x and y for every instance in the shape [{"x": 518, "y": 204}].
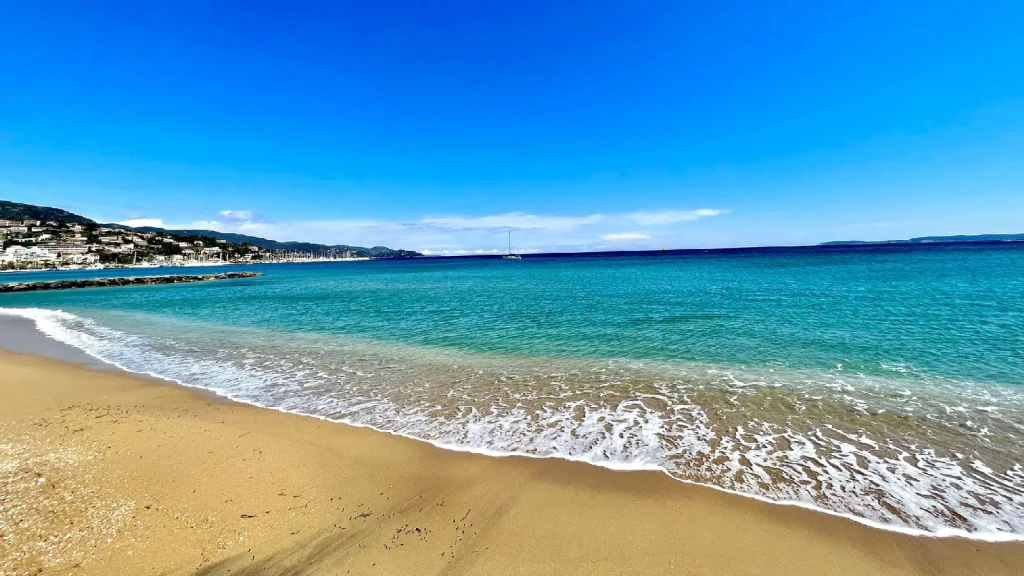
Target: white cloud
[
  {"x": 673, "y": 216},
  {"x": 486, "y": 234},
  {"x": 236, "y": 215},
  {"x": 511, "y": 221},
  {"x": 203, "y": 225},
  {"x": 624, "y": 237},
  {"x": 140, "y": 222}
]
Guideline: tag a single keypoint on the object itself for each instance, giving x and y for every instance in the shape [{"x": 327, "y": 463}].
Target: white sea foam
[{"x": 850, "y": 451}]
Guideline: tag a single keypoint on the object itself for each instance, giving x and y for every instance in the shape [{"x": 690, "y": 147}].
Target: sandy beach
[{"x": 102, "y": 472}]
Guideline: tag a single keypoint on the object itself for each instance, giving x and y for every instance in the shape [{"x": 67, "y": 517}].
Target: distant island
[
  {"x": 33, "y": 237},
  {"x": 961, "y": 239}
]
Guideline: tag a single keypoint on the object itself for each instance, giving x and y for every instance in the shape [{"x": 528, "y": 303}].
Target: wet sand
[
  {"x": 105, "y": 473},
  {"x": 19, "y": 334}
]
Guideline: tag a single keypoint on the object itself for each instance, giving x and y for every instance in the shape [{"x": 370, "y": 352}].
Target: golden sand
[{"x": 104, "y": 473}]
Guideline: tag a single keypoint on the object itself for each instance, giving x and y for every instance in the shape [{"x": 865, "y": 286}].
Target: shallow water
[{"x": 881, "y": 383}]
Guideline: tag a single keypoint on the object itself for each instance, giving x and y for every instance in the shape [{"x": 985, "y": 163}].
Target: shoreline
[
  {"x": 527, "y": 515},
  {"x": 948, "y": 533},
  {"x": 201, "y": 265},
  {"x": 554, "y": 511},
  {"x": 55, "y": 349}
]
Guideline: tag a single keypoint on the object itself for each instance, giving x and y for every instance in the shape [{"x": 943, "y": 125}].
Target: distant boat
[{"x": 510, "y": 255}]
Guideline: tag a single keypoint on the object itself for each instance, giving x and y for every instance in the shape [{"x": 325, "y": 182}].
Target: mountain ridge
[
  {"x": 19, "y": 211},
  {"x": 291, "y": 245}
]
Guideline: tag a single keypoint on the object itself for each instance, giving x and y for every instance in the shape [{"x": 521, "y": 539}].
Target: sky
[{"x": 443, "y": 126}]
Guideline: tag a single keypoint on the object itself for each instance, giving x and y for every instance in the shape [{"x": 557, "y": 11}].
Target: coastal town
[{"x": 43, "y": 245}]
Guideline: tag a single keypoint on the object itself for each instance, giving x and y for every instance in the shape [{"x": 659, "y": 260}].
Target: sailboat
[{"x": 510, "y": 255}]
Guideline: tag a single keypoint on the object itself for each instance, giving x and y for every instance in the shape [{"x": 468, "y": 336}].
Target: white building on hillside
[
  {"x": 64, "y": 248},
  {"x": 12, "y": 254},
  {"x": 20, "y": 254}
]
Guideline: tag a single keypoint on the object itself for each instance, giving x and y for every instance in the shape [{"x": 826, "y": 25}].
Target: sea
[{"x": 884, "y": 383}]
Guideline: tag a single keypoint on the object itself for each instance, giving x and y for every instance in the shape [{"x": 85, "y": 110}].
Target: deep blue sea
[{"x": 881, "y": 383}]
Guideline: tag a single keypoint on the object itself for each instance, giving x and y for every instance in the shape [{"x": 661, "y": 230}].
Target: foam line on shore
[{"x": 41, "y": 323}]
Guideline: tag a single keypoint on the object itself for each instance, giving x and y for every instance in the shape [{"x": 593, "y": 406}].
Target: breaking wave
[{"x": 937, "y": 458}]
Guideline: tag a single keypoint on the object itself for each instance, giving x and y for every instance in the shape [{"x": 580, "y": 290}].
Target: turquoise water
[{"x": 884, "y": 383}]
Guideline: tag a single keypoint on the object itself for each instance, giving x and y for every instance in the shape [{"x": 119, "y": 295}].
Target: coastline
[
  {"x": 212, "y": 264},
  {"x": 235, "y": 487}
]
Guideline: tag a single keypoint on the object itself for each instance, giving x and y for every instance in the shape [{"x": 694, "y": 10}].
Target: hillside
[
  {"x": 373, "y": 252},
  {"x": 934, "y": 240},
  {"x": 18, "y": 211}
]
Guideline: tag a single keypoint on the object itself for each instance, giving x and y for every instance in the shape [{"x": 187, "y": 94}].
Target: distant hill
[
  {"x": 374, "y": 252},
  {"x": 18, "y": 211},
  {"x": 934, "y": 240}
]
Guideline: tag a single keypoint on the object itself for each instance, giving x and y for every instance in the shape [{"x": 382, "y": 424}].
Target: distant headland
[
  {"x": 33, "y": 237},
  {"x": 960, "y": 239}
]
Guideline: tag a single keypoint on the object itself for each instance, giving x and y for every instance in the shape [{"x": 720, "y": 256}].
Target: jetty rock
[{"x": 121, "y": 281}]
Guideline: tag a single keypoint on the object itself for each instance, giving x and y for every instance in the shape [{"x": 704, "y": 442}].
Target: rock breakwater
[{"x": 112, "y": 282}]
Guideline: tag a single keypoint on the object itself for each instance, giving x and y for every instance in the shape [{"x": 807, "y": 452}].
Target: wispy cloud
[
  {"x": 204, "y": 225},
  {"x": 458, "y": 252},
  {"x": 673, "y": 216},
  {"x": 140, "y": 222},
  {"x": 625, "y": 237},
  {"x": 506, "y": 222},
  {"x": 236, "y": 215},
  {"x": 486, "y": 234}
]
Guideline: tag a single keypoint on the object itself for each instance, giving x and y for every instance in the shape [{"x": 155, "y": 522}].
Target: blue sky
[{"x": 439, "y": 126}]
